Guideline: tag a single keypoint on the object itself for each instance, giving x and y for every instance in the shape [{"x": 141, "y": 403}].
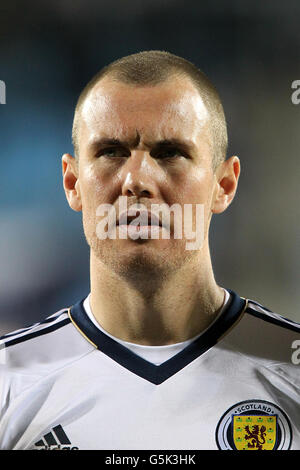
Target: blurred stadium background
[{"x": 50, "y": 49}]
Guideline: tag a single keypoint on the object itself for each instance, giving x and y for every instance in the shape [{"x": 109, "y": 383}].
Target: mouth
[{"x": 141, "y": 219}]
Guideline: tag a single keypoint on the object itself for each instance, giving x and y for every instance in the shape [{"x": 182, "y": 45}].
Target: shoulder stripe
[
  {"x": 34, "y": 325},
  {"x": 260, "y": 305},
  {"x": 34, "y": 334},
  {"x": 265, "y": 314}
]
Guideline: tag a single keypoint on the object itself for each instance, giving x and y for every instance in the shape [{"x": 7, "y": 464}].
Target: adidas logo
[{"x": 56, "y": 439}]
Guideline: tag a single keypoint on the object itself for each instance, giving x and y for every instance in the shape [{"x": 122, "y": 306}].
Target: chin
[{"x": 141, "y": 260}]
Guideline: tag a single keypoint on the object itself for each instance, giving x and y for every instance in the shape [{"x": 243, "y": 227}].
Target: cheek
[
  {"x": 96, "y": 190},
  {"x": 194, "y": 188},
  {"x": 93, "y": 188}
]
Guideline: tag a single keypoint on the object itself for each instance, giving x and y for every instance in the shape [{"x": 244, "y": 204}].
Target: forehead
[{"x": 117, "y": 110}]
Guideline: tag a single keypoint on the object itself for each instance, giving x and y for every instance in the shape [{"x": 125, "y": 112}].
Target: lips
[{"x": 142, "y": 216}]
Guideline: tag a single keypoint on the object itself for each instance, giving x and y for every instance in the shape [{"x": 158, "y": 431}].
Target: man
[{"x": 158, "y": 355}]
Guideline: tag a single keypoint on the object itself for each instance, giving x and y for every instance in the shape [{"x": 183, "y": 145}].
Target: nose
[{"x": 138, "y": 175}]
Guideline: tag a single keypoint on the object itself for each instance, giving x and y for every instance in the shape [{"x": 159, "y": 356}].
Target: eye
[
  {"x": 113, "y": 152},
  {"x": 167, "y": 153}
]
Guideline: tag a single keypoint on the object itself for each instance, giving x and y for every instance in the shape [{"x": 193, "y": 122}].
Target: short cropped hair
[{"x": 151, "y": 68}]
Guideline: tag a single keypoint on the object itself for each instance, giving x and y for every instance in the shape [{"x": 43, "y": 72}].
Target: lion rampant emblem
[
  {"x": 254, "y": 432},
  {"x": 257, "y": 436}
]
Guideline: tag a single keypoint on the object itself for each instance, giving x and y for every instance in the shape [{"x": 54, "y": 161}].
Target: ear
[
  {"x": 71, "y": 182},
  {"x": 227, "y": 176}
]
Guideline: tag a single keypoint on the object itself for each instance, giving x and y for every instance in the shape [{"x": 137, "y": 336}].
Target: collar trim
[{"x": 157, "y": 374}]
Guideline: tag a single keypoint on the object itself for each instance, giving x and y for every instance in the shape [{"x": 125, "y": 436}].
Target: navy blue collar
[{"x": 145, "y": 369}]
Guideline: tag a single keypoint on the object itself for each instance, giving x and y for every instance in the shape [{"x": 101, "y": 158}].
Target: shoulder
[
  {"x": 37, "y": 353},
  {"x": 41, "y": 346},
  {"x": 49, "y": 324},
  {"x": 19, "y": 345},
  {"x": 266, "y": 337},
  {"x": 264, "y": 314}
]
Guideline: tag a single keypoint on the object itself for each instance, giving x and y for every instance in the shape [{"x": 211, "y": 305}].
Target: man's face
[{"x": 153, "y": 145}]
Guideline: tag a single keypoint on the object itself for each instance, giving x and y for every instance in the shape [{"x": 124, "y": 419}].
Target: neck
[{"x": 165, "y": 311}]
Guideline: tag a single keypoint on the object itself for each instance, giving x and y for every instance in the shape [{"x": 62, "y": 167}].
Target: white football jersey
[{"x": 66, "y": 384}]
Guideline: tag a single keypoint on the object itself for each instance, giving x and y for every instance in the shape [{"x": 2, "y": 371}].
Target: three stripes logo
[{"x": 56, "y": 439}]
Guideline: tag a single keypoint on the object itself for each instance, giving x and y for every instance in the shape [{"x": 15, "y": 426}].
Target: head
[
  {"x": 152, "y": 68},
  {"x": 151, "y": 127}
]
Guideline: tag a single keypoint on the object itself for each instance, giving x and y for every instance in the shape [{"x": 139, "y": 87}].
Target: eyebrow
[{"x": 185, "y": 144}]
